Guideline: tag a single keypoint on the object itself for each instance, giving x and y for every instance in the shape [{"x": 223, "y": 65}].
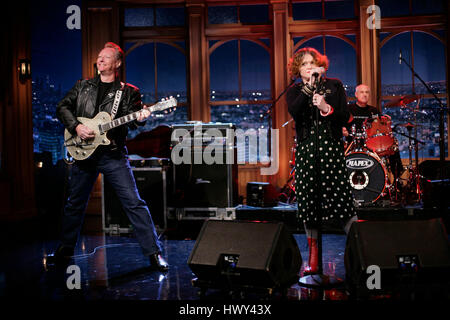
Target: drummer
[{"x": 361, "y": 111}]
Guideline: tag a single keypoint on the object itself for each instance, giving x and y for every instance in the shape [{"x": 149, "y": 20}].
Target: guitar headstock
[{"x": 165, "y": 103}]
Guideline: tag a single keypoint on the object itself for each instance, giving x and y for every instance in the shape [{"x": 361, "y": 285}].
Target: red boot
[{"x": 313, "y": 261}]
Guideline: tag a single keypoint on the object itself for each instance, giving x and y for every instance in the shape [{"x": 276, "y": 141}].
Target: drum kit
[{"x": 372, "y": 158}]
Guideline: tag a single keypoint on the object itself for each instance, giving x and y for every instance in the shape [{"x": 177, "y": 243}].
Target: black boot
[
  {"x": 158, "y": 262},
  {"x": 62, "y": 255}
]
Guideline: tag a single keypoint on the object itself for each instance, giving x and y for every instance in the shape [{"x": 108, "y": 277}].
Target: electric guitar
[{"x": 80, "y": 149}]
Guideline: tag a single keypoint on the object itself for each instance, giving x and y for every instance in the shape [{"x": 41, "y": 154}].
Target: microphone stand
[
  {"x": 271, "y": 107},
  {"x": 442, "y": 108},
  {"x": 318, "y": 280}
]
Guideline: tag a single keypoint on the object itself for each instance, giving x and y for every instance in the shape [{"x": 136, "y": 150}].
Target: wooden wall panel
[
  {"x": 100, "y": 25},
  {"x": 281, "y": 55},
  {"x": 17, "y": 175},
  {"x": 198, "y": 55}
]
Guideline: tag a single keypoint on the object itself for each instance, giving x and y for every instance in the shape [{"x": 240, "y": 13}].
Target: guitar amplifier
[
  {"x": 152, "y": 185},
  {"x": 198, "y": 183}
]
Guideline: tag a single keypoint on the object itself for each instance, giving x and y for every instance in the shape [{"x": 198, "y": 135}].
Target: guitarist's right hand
[{"x": 84, "y": 132}]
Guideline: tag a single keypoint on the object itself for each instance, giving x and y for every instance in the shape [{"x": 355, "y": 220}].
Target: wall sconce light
[{"x": 24, "y": 69}]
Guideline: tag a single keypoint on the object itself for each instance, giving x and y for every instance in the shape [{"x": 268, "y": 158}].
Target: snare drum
[
  {"x": 379, "y": 135},
  {"x": 367, "y": 176}
]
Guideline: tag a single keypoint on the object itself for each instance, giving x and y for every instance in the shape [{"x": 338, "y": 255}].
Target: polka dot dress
[{"x": 331, "y": 190}]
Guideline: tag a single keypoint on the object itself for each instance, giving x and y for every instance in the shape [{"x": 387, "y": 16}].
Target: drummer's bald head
[
  {"x": 362, "y": 87},
  {"x": 362, "y": 94}
]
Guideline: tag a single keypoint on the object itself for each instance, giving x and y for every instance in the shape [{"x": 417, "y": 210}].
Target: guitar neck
[
  {"x": 123, "y": 120},
  {"x": 119, "y": 121}
]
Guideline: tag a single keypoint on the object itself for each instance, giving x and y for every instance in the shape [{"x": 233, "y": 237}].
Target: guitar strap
[{"x": 115, "y": 106}]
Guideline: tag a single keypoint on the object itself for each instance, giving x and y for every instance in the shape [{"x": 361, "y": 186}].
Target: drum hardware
[
  {"x": 402, "y": 101},
  {"x": 412, "y": 188},
  {"x": 287, "y": 192}
]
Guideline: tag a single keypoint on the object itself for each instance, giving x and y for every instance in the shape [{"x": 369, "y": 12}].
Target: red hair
[{"x": 295, "y": 62}]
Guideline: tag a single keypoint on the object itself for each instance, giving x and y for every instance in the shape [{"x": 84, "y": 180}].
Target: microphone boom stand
[{"x": 441, "y": 118}]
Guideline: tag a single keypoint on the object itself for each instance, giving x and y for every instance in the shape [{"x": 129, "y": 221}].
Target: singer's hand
[{"x": 319, "y": 102}]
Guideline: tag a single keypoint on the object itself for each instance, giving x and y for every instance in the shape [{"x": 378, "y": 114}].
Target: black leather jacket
[
  {"x": 81, "y": 100},
  {"x": 300, "y": 107}
]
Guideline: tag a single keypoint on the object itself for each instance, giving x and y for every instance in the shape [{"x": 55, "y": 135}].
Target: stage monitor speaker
[
  {"x": 435, "y": 187},
  {"x": 431, "y": 169},
  {"x": 261, "y": 194},
  {"x": 240, "y": 253},
  {"x": 406, "y": 252}
]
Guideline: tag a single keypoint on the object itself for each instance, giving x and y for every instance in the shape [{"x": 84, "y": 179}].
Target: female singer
[{"x": 318, "y": 106}]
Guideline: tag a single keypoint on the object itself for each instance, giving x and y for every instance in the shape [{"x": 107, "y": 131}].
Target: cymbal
[{"x": 401, "y": 101}]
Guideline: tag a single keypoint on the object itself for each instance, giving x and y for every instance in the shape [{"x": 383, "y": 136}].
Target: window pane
[
  {"x": 255, "y": 71},
  {"x": 297, "y": 39},
  {"x": 170, "y": 16},
  {"x": 342, "y": 59},
  {"x": 222, "y": 14},
  {"x": 52, "y": 45},
  {"x": 247, "y": 117},
  {"x": 396, "y": 78},
  {"x": 171, "y": 72},
  {"x": 427, "y": 130},
  {"x": 224, "y": 75},
  {"x": 427, "y": 6},
  {"x": 254, "y": 14},
  {"x": 171, "y": 66},
  {"x": 429, "y": 62},
  {"x": 395, "y": 8},
  {"x": 316, "y": 43},
  {"x": 140, "y": 71},
  {"x": 169, "y": 117},
  {"x": 307, "y": 11},
  {"x": 138, "y": 17},
  {"x": 339, "y": 9}
]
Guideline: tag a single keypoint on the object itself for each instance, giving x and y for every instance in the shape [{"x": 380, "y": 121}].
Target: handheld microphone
[
  {"x": 400, "y": 57},
  {"x": 318, "y": 71}
]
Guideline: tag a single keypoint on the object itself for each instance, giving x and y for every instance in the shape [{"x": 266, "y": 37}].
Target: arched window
[
  {"x": 159, "y": 71},
  {"x": 240, "y": 90},
  {"x": 341, "y": 54},
  {"x": 425, "y": 53}
]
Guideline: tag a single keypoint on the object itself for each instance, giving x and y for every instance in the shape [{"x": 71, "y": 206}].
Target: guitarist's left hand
[{"x": 143, "y": 114}]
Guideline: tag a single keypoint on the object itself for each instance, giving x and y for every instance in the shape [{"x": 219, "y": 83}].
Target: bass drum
[{"x": 367, "y": 176}]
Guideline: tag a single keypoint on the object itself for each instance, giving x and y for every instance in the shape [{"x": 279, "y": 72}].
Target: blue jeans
[{"x": 117, "y": 172}]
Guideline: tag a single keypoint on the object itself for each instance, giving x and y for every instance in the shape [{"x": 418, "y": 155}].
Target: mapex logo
[{"x": 359, "y": 163}]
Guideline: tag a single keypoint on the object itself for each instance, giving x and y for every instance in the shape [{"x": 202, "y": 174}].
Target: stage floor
[{"x": 113, "y": 268}]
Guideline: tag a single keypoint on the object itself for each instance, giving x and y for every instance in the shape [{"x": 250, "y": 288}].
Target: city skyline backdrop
[{"x": 56, "y": 66}]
